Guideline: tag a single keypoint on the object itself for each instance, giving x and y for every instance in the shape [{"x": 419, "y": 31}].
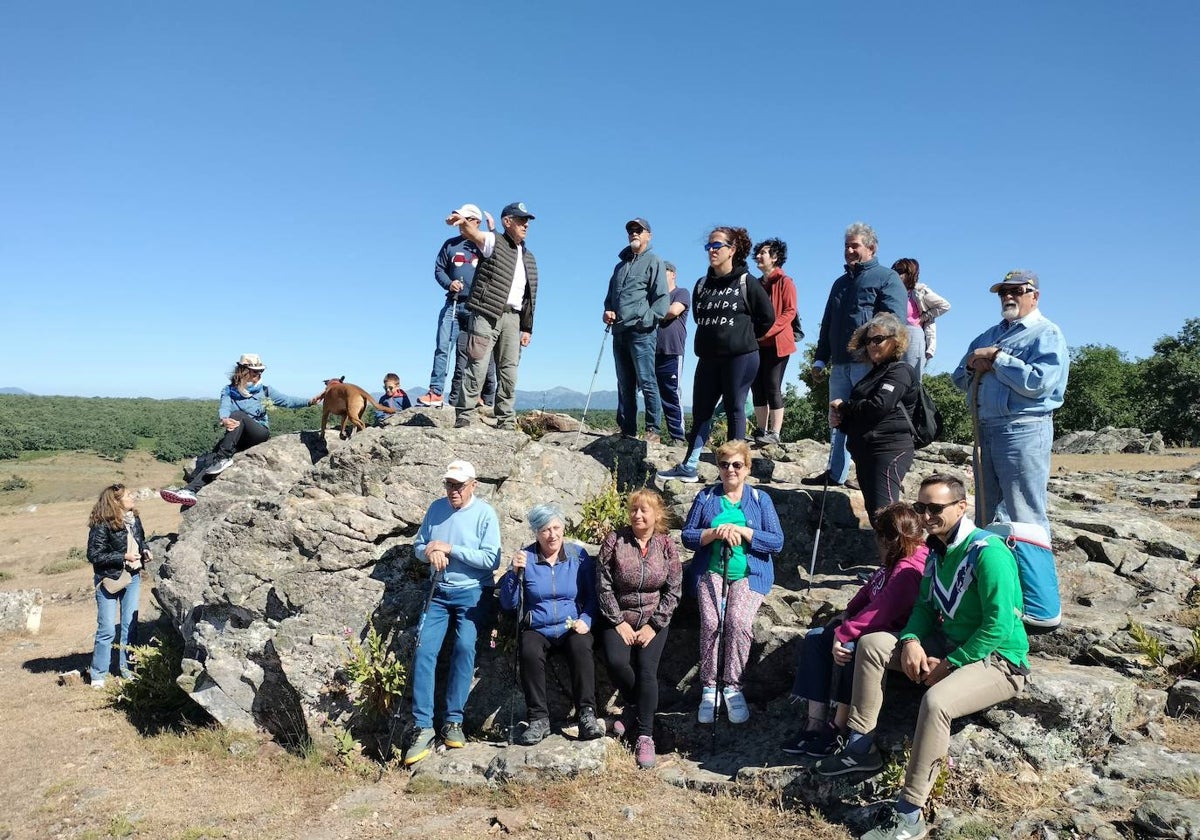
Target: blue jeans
[
  {"x": 667, "y": 370},
  {"x": 915, "y": 354},
  {"x": 106, "y": 619},
  {"x": 842, "y": 379},
  {"x": 470, "y": 612},
  {"x": 815, "y": 670},
  {"x": 447, "y": 335},
  {"x": 1011, "y": 475},
  {"x": 633, "y": 352}
]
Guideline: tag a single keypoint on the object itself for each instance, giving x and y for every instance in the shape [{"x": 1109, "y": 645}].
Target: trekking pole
[
  {"x": 726, "y": 553},
  {"x": 980, "y": 496},
  {"x": 512, "y": 706},
  {"x": 588, "y": 401},
  {"x": 408, "y": 673},
  {"x": 812, "y": 563}
]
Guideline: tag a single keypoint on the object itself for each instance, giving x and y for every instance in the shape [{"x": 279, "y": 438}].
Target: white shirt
[{"x": 516, "y": 292}]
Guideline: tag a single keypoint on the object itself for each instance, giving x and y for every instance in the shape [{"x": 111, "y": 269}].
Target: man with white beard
[{"x": 1016, "y": 374}]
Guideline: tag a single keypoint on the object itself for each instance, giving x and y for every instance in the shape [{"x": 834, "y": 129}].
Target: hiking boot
[
  {"x": 708, "y": 704},
  {"x": 651, "y": 437},
  {"x": 431, "y": 400},
  {"x": 681, "y": 473},
  {"x": 218, "y": 466},
  {"x": 535, "y": 732},
  {"x": 844, "y": 761},
  {"x": 757, "y": 435},
  {"x": 894, "y": 826},
  {"x": 589, "y": 728},
  {"x": 735, "y": 705},
  {"x": 797, "y": 743},
  {"x": 827, "y": 741},
  {"x": 820, "y": 479},
  {"x": 851, "y": 484},
  {"x": 183, "y": 497},
  {"x": 644, "y": 752},
  {"x": 769, "y": 438},
  {"x": 452, "y": 735},
  {"x": 420, "y": 745},
  {"x": 463, "y": 422}
]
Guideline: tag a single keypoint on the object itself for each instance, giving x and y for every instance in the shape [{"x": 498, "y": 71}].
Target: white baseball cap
[
  {"x": 460, "y": 471},
  {"x": 471, "y": 211}
]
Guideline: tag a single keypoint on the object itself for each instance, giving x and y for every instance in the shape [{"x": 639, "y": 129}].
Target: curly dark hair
[
  {"x": 898, "y": 531},
  {"x": 909, "y": 271},
  {"x": 739, "y": 237},
  {"x": 777, "y": 248}
]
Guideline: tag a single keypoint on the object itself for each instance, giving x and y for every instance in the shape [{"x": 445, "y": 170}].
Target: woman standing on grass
[
  {"x": 638, "y": 581},
  {"x": 117, "y": 550},
  {"x": 243, "y": 414}
]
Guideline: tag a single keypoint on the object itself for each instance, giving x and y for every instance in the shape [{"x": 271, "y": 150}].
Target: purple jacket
[
  {"x": 635, "y": 589},
  {"x": 884, "y": 601}
]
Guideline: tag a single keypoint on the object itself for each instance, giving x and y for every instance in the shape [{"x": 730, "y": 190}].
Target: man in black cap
[
  {"x": 636, "y": 302},
  {"x": 500, "y": 309}
]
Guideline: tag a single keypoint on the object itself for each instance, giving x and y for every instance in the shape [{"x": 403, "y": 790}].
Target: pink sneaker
[
  {"x": 183, "y": 497},
  {"x": 644, "y": 752},
  {"x": 430, "y": 400}
]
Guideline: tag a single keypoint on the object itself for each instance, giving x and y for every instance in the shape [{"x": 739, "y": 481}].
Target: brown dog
[{"x": 347, "y": 401}]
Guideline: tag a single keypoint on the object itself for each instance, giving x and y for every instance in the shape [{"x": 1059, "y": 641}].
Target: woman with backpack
[
  {"x": 877, "y": 418},
  {"x": 777, "y": 344}
]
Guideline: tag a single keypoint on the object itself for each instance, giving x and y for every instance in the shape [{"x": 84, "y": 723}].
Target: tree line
[{"x": 1160, "y": 393}]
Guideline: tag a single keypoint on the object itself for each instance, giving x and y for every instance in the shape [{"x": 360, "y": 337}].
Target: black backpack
[{"x": 926, "y": 421}]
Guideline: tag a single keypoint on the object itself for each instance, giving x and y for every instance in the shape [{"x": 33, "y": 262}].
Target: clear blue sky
[{"x": 181, "y": 183}]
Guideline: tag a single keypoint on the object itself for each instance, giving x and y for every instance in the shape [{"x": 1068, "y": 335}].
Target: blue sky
[{"x": 181, "y": 183}]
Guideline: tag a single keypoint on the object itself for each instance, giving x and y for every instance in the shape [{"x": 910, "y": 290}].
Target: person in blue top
[
  {"x": 865, "y": 290},
  {"x": 243, "y": 414},
  {"x": 552, "y": 585},
  {"x": 1015, "y": 375},
  {"x": 460, "y": 539},
  {"x": 393, "y": 397},
  {"x": 734, "y": 514}
]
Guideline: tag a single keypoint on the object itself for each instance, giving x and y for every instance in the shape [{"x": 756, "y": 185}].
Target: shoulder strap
[{"x": 742, "y": 286}]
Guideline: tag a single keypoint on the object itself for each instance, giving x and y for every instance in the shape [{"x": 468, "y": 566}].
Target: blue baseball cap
[
  {"x": 517, "y": 210},
  {"x": 1017, "y": 277}
]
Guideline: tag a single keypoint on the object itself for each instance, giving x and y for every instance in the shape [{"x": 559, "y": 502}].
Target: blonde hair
[
  {"x": 889, "y": 325},
  {"x": 734, "y": 447},
  {"x": 651, "y": 499},
  {"x": 109, "y": 509}
]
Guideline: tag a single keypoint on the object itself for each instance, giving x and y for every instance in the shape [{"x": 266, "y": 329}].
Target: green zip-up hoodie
[{"x": 973, "y": 586}]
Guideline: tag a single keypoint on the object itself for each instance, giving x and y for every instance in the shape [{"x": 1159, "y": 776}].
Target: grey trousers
[
  {"x": 500, "y": 339},
  {"x": 969, "y": 689}
]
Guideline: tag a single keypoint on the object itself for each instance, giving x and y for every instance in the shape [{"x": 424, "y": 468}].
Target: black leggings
[
  {"x": 768, "y": 383},
  {"x": 635, "y": 672},
  {"x": 880, "y": 476},
  {"x": 577, "y": 648},
  {"x": 725, "y": 378},
  {"x": 249, "y": 432}
]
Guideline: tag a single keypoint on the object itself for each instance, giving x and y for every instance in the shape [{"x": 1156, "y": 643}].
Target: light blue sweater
[
  {"x": 1029, "y": 376},
  {"x": 473, "y": 532}
]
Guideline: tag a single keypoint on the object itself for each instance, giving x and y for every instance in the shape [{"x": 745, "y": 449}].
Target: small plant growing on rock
[
  {"x": 377, "y": 678},
  {"x": 601, "y": 514},
  {"x": 1149, "y": 644},
  {"x": 153, "y": 700}
]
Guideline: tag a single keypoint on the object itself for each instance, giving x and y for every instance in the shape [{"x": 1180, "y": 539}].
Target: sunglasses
[
  {"x": 1013, "y": 291},
  {"x": 932, "y": 508},
  {"x": 731, "y": 465},
  {"x": 632, "y": 229},
  {"x": 877, "y": 339},
  {"x": 716, "y": 246},
  {"x": 454, "y": 486}
]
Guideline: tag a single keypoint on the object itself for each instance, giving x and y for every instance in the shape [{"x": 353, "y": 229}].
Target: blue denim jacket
[{"x": 1030, "y": 373}]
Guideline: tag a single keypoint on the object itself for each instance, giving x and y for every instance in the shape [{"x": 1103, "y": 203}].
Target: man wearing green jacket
[{"x": 976, "y": 658}]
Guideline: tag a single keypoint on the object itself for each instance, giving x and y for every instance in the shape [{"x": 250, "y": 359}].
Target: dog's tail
[{"x": 384, "y": 408}]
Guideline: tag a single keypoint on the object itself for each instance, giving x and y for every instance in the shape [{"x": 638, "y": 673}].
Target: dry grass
[
  {"x": 1183, "y": 734},
  {"x": 1006, "y": 796},
  {"x": 1172, "y": 459}
]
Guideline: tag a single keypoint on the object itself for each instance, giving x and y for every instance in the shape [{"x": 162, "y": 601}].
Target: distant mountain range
[
  {"x": 15, "y": 391},
  {"x": 557, "y": 399}
]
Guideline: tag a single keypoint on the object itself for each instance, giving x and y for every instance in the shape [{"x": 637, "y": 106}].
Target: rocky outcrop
[
  {"x": 20, "y": 611},
  {"x": 1108, "y": 441}
]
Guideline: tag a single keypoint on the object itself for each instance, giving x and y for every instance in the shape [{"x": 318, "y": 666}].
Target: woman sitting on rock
[
  {"x": 552, "y": 585},
  {"x": 734, "y": 530},
  {"x": 243, "y": 413},
  {"x": 638, "y": 585},
  {"x": 825, "y": 668},
  {"x": 117, "y": 550}
]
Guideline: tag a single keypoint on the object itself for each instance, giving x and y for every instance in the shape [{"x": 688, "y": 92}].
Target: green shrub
[
  {"x": 15, "y": 482},
  {"x": 153, "y": 700},
  {"x": 601, "y": 515},
  {"x": 376, "y": 677}
]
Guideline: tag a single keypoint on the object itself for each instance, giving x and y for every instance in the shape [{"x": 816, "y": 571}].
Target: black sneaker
[
  {"x": 535, "y": 732},
  {"x": 819, "y": 480},
  {"x": 844, "y": 761},
  {"x": 797, "y": 743},
  {"x": 826, "y": 742},
  {"x": 589, "y": 728},
  {"x": 463, "y": 422}
]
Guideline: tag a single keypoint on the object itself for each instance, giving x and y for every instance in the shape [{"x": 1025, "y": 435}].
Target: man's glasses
[
  {"x": 731, "y": 465},
  {"x": 1013, "y": 291},
  {"x": 716, "y": 246},
  {"x": 932, "y": 508},
  {"x": 454, "y": 486},
  {"x": 520, "y": 222},
  {"x": 877, "y": 339},
  {"x": 632, "y": 229}
]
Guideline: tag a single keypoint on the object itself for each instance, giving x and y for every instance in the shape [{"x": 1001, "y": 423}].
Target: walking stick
[
  {"x": 726, "y": 553},
  {"x": 408, "y": 675},
  {"x": 512, "y": 706},
  {"x": 980, "y": 494},
  {"x": 812, "y": 563},
  {"x": 588, "y": 401}
]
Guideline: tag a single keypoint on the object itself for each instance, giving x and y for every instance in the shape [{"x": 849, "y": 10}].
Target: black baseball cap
[{"x": 517, "y": 210}]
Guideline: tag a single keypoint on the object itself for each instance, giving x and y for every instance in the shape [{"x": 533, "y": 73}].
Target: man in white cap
[
  {"x": 460, "y": 539},
  {"x": 454, "y": 271},
  {"x": 1015, "y": 375}
]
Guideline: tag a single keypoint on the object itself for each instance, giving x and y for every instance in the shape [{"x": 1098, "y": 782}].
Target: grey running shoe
[
  {"x": 218, "y": 466},
  {"x": 844, "y": 761},
  {"x": 420, "y": 745},
  {"x": 895, "y": 827},
  {"x": 452, "y": 735},
  {"x": 681, "y": 473}
]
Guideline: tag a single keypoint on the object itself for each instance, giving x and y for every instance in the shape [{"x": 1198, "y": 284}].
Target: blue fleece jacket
[
  {"x": 865, "y": 290},
  {"x": 554, "y": 595},
  {"x": 760, "y": 518},
  {"x": 398, "y": 401},
  {"x": 473, "y": 532},
  {"x": 637, "y": 291},
  {"x": 255, "y": 403},
  {"x": 1029, "y": 376},
  {"x": 456, "y": 261}
]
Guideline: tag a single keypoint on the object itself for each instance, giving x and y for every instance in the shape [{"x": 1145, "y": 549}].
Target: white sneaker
[
  {"x": 735, "y": 706},
  {"x": 219, "y": 466},
  {"x": 708, "y": 705}
]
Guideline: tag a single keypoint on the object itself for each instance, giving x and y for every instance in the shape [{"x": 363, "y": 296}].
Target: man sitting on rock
[
  {"x": 460, "y": 539},
  {"x": 964, "y": 640}
]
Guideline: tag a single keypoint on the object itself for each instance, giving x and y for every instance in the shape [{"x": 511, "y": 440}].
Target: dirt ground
[{"x": 74, "y": 767}]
